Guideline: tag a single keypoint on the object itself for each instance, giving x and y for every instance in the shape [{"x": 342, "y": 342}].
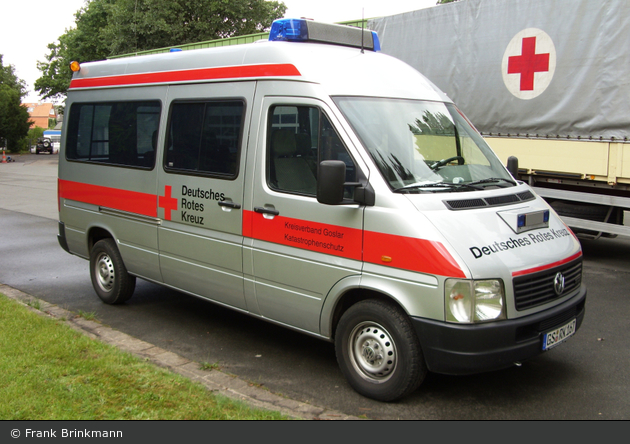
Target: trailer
[{"x": 545, "y": 81}]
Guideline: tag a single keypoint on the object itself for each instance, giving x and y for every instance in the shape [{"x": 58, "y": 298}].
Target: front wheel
[
  {"x": 378, "y": 351},
  {"x": 110, "y": 279}
]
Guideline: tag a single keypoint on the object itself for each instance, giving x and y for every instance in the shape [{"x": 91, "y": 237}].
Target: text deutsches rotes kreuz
[{"x": 514, "y": 243}]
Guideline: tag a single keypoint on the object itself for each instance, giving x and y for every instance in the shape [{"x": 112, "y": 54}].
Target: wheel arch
[
  {"x": 97, "y": 233},
  {"x": 345, "y": 294}
]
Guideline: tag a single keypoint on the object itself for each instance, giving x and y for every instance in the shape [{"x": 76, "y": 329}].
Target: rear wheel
[
  {"x": 110, "y": 279},
  {"x": 378, "y": 351}
]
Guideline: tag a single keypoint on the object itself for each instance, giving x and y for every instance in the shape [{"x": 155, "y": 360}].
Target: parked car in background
[{"x": 44, "y": 145}]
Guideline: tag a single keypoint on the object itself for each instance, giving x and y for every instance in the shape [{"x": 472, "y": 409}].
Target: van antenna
[{"x": 362, "y": 28}]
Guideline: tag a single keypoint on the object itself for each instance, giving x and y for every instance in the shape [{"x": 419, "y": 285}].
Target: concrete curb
[{"x": 214, "y": 380}]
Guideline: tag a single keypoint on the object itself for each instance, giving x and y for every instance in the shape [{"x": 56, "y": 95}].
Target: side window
[
  {"x": 115, "y": 133},
  {"x": 299, "y": 138},
  {"x": 205, "y": 137}
]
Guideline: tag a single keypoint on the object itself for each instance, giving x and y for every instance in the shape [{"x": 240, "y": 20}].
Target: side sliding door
[{"x": 201, "y": 190}]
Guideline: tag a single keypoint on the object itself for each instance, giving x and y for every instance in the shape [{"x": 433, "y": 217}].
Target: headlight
[{"x": 469, "y": 301}]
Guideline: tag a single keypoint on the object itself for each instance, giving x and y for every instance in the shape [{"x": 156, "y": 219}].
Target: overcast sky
[{"x": 26, "y": 28}]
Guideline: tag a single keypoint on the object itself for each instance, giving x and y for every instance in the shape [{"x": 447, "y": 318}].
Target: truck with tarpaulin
[{"x": 545, "y": 81}]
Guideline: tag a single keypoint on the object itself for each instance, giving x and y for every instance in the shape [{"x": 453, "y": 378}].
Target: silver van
[{"x": 316, "y": 183}]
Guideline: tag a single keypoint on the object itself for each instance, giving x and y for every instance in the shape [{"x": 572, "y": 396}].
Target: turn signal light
[{"x": 75, "y": 66}]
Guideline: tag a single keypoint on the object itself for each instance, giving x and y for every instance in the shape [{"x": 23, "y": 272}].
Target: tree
[
  {"x": 441, "y": 2},
  {"x": 110, "y": 27},
  {"x": 14, "y": 118},
  {"x": 147, "y": 24},
  {"x": 83, "y": 43}
]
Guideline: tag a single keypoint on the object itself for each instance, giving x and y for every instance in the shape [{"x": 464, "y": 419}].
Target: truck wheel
[
  {"x": 110, "y": 279},
  {"x": 378, "y": 351}
]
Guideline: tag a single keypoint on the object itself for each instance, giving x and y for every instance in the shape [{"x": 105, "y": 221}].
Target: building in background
[{"x": 42, "y": 114}]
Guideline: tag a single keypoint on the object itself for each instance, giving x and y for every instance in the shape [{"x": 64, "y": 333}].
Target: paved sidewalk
[{"x": 215, "y": 380}]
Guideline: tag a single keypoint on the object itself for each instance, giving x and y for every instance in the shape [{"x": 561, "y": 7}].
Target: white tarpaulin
[{"x": 552, "y": 68}]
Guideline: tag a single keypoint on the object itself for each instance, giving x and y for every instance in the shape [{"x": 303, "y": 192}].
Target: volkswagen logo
[{"x": 558, "y": 283}]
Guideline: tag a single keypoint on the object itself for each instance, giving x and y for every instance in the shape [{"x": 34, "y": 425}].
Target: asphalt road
[{"x": 585, "y": 378}]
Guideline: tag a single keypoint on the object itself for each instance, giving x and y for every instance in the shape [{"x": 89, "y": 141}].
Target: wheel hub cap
[
  {"x": 373, "y": 351},
  {"x": 105, "y": 272}
]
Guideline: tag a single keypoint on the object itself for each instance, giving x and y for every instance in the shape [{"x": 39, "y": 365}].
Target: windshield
[{"x": 423, "y": 146}]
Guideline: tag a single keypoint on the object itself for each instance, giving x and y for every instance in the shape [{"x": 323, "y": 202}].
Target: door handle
[
  {"x": 263, "y": 210},
  {"x": 229, "y": 204}
]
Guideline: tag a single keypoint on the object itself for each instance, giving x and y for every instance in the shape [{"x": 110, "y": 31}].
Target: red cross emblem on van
[{"x": 167, "y": 202}]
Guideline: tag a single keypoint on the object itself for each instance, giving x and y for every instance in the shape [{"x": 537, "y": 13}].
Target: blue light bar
[
  {"x": 301, "y": 30},
  {"x": 288, "y": 30}
]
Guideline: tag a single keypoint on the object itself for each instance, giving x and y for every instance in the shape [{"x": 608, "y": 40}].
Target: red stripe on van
[
  {"x": 546, "y": 267},
  {"x": 227, "y": 72},
  {"x": 123, "y": 200},
  {"x": 406, "y": 253},
  {"x": 410, "y": 253},
  {"x": 313, "y": 236}
]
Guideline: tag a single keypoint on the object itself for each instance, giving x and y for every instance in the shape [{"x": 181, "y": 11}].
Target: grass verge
[{"x": 50, "y": 372}]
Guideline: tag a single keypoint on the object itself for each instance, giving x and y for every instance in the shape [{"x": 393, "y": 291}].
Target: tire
[
  {"x": 110, "y": 279},
  {"x": 378, "y": 351}
]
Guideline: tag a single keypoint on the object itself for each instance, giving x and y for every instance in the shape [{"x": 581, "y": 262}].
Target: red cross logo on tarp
[
  {"x": 167, "y": 202},
  {"x": 528, "y": 63}
]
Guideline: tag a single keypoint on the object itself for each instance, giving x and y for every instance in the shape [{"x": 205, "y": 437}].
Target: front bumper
[{"x": 460, "y": 349}]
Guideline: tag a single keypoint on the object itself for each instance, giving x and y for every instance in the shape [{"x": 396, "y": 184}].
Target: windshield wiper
[
  {"x": 492, "y": 180},
  {"x": 448, "y": 185}
]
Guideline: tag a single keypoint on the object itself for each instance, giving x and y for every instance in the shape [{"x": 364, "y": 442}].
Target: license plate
[{"x": 559, "y": 335}]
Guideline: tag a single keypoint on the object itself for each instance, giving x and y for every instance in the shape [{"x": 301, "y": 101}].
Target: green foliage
[
  {"x": 51, "y": 372},
  {"x": 83, "y": 43},
  {"x": 14, "y": 118},
  {"x": 35, "y": 133},
  {"x": 148, "y": 24},
  {"x": 90, "y": 316},
  {"x": 441, "y": 2},
  {"x": 110, "y": 27}
]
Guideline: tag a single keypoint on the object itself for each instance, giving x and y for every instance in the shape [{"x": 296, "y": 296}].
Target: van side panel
[{"x": 105, "y": 194}]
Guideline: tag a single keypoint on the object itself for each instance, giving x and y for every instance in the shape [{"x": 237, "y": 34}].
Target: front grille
[
  {"x": 531, "y": 331},
  {"x": 559, "y": 319},
  {"x": 536, "y": 289}
]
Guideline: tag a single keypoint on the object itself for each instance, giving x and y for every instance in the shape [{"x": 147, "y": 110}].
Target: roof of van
[{"x": 340, "y": 70}]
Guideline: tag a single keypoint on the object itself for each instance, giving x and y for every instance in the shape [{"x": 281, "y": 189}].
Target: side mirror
[{"x": 330, "y": 181}]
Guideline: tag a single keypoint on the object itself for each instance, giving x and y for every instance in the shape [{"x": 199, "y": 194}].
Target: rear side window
[
  {"x": 205, "y": 138},
  {"x": 115, "y": 133}
]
